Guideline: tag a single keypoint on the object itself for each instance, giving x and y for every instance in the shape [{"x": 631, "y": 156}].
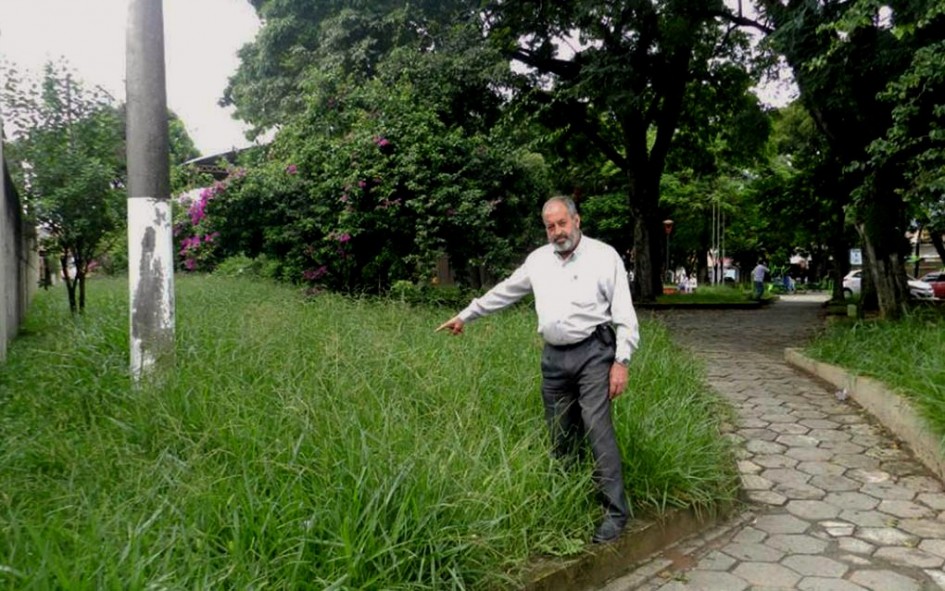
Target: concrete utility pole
[{"x": 150, "y": 238}]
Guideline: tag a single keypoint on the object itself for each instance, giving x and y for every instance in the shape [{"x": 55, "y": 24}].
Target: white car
[{"x": 919, "y": 290}]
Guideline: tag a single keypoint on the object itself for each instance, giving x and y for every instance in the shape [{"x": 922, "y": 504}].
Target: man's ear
[{"x": 577, "y": 221}]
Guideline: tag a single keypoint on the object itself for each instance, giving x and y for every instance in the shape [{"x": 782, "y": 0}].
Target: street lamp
[{"x": 668, "y": 228}]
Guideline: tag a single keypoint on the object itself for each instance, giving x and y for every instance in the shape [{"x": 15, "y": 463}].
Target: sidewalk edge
[{"x": 894, "y": 411}]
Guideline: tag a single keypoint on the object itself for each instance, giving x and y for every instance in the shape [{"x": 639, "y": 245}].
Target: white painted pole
[{"x": 150, "y": 235}]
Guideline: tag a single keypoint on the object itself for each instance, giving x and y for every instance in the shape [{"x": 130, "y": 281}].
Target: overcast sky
[{"x": 201, "y": 41}]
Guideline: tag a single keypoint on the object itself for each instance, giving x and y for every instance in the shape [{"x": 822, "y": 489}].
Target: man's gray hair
[{"x": 568, "y": 202}]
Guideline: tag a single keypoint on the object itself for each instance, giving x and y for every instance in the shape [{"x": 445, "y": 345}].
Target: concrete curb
[
  {"x": 893, "y": 410},
  {"x": 598, "y": 564}
]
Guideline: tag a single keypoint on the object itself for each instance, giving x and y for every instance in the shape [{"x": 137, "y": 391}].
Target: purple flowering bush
[{"x": 370, "y": 185}]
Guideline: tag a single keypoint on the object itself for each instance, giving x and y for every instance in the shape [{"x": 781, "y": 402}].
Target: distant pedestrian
[{"x": 758, "y": 278}]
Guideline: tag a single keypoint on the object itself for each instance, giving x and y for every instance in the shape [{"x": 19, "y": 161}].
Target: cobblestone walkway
[{"x": 836, "y": 504}]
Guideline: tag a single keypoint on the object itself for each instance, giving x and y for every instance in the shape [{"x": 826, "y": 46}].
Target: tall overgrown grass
[
  {"x": 908, "y": 355},
  {"x": 323, "y": 443}
]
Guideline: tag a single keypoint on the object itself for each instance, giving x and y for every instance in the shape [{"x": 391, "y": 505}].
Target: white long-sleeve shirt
[{"x": 572, "y": 296}]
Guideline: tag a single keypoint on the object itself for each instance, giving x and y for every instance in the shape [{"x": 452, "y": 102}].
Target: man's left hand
[{"x": 618, "y": 379}]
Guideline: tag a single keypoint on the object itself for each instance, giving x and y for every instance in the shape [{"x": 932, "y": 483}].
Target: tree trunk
[
  {"x": 702, "y": 261},
  {"x": 840, "y": 251},
  {"x": 80, "y": 278},
  {"x": 644, "y": 267},
  {"x": 70, "y": 282},
  {"x": 938, "y": 244}
]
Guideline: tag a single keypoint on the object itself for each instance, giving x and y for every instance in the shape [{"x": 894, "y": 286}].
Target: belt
[{"x": 604, "y": 332}]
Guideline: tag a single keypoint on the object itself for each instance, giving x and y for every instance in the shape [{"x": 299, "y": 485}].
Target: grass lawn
[
  {"x": 908, "y": 355},
  {"x": 314, "y": 443},
  {"x": 713, "y": 295}
]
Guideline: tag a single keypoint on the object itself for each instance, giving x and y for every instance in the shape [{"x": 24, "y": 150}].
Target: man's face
[{"x": 563, "y": 230}]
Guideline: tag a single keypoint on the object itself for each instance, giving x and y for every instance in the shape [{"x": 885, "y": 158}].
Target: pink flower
[
  {"x": 362, "y": 184},
  {"x": 315, "y": 274},
  {"x": 190, "y": 264},
  {"x": 291, "y": 169},
  {"x": 343, "y": 237},
  {"x": 344, "y": 197}
]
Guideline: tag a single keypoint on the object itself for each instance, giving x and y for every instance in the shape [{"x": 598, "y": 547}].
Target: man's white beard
[{"x": 568, "y": 244}]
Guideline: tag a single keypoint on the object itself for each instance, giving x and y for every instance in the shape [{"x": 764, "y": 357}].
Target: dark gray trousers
[{"x": 575, "y": 389}]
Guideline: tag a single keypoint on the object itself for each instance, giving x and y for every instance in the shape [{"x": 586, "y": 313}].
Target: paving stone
[
  {"x": 848, "y": 419},
  {"x": 779, "y": 418},
  {"x": 800, "y": 491},
  {"x": 775, "y": 461},
  {"x": 749, "y": 535},
  {"x": 842, "y": 447},
  {"x": 788, "y": 428},
  {"x": 822, "y": 468},
  {"x": 781, "y": 524},
  {"x": 748, "y": 467},
  {"x": 832, "y": 435},
  {"x": 753, "y": 423},
  {"x": 854, "y": 501},
  {"x": 767, "y": 497},
  {"x": 767, "y": 574},
  {"x": 804, "y": 411},
  {"x": 836, "y": 529},
  {"x": 835, "y": 483},
  {"x": 886, "y": 536},
  {"x": 933, "y": 500},
  {"x": 700, "y": 580},
  {"x": 822, "y": 584},
  {"x": 787, "y": 476},
  {"x": 855, "y": 461},
  {"x": 903, "y": 468},
  {"x": 820, "y": 424},
  {"x": 936, "y": 547},
  {"x": 815, "y": 565},
  {"x": 813, "y": 510},
  {"x": 809, "y": 454},
  {"x": 856, "y": 560},
  {"x": 869, "y": 476},
  {"x": 798, "y": 440},
  {"x": 855, "y": 546},
  {"x": 716, "y": 560},
  {"x": 887, "y": 453},
  {"x": 757, "y": 434},
  {"x": 884, "y": 580},
  {"x": 867, "y": 441},
  {"x": 889, "y": 491},
  {"x": 924, "y": 528},
  {"x": 923, "y": 484},
  {"x": 905, "y": 509},
  {"x": 764, "y": 447},
  {"x": 868, "y": 518},
  {"x": 910, "y": 557},
  {"x": 796, "y": 543},
  {"x": 938, "y": 576},
  {"x": 752, "y": 552},
  {"x": 755, "y": 482}
]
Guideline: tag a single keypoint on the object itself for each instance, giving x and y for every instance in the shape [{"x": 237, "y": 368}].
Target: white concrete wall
[{"x": 19, "y": 268}]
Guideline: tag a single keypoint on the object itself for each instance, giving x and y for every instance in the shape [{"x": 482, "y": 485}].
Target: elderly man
[{"x": 587, "y": 320}]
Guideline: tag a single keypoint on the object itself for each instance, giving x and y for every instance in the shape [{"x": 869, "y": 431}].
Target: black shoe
[{"x": 608, "y": 531}]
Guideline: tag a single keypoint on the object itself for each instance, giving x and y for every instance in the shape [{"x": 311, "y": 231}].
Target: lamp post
[{"x": 668, "y": 228}]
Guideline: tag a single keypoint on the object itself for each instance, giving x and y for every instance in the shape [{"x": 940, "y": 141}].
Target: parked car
[
  {"x": 919, "y": 290},
  {"x": 937, "y": 281}
]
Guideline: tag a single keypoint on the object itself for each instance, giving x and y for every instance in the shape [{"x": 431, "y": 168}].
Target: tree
[
  {"x": 374, "y": 180},
  {"x": 333, "y": 35},
  {"x": 623, "y": 86},
  {"x": 820, "y": 40},
  {"x": 67, "y": 155}
]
